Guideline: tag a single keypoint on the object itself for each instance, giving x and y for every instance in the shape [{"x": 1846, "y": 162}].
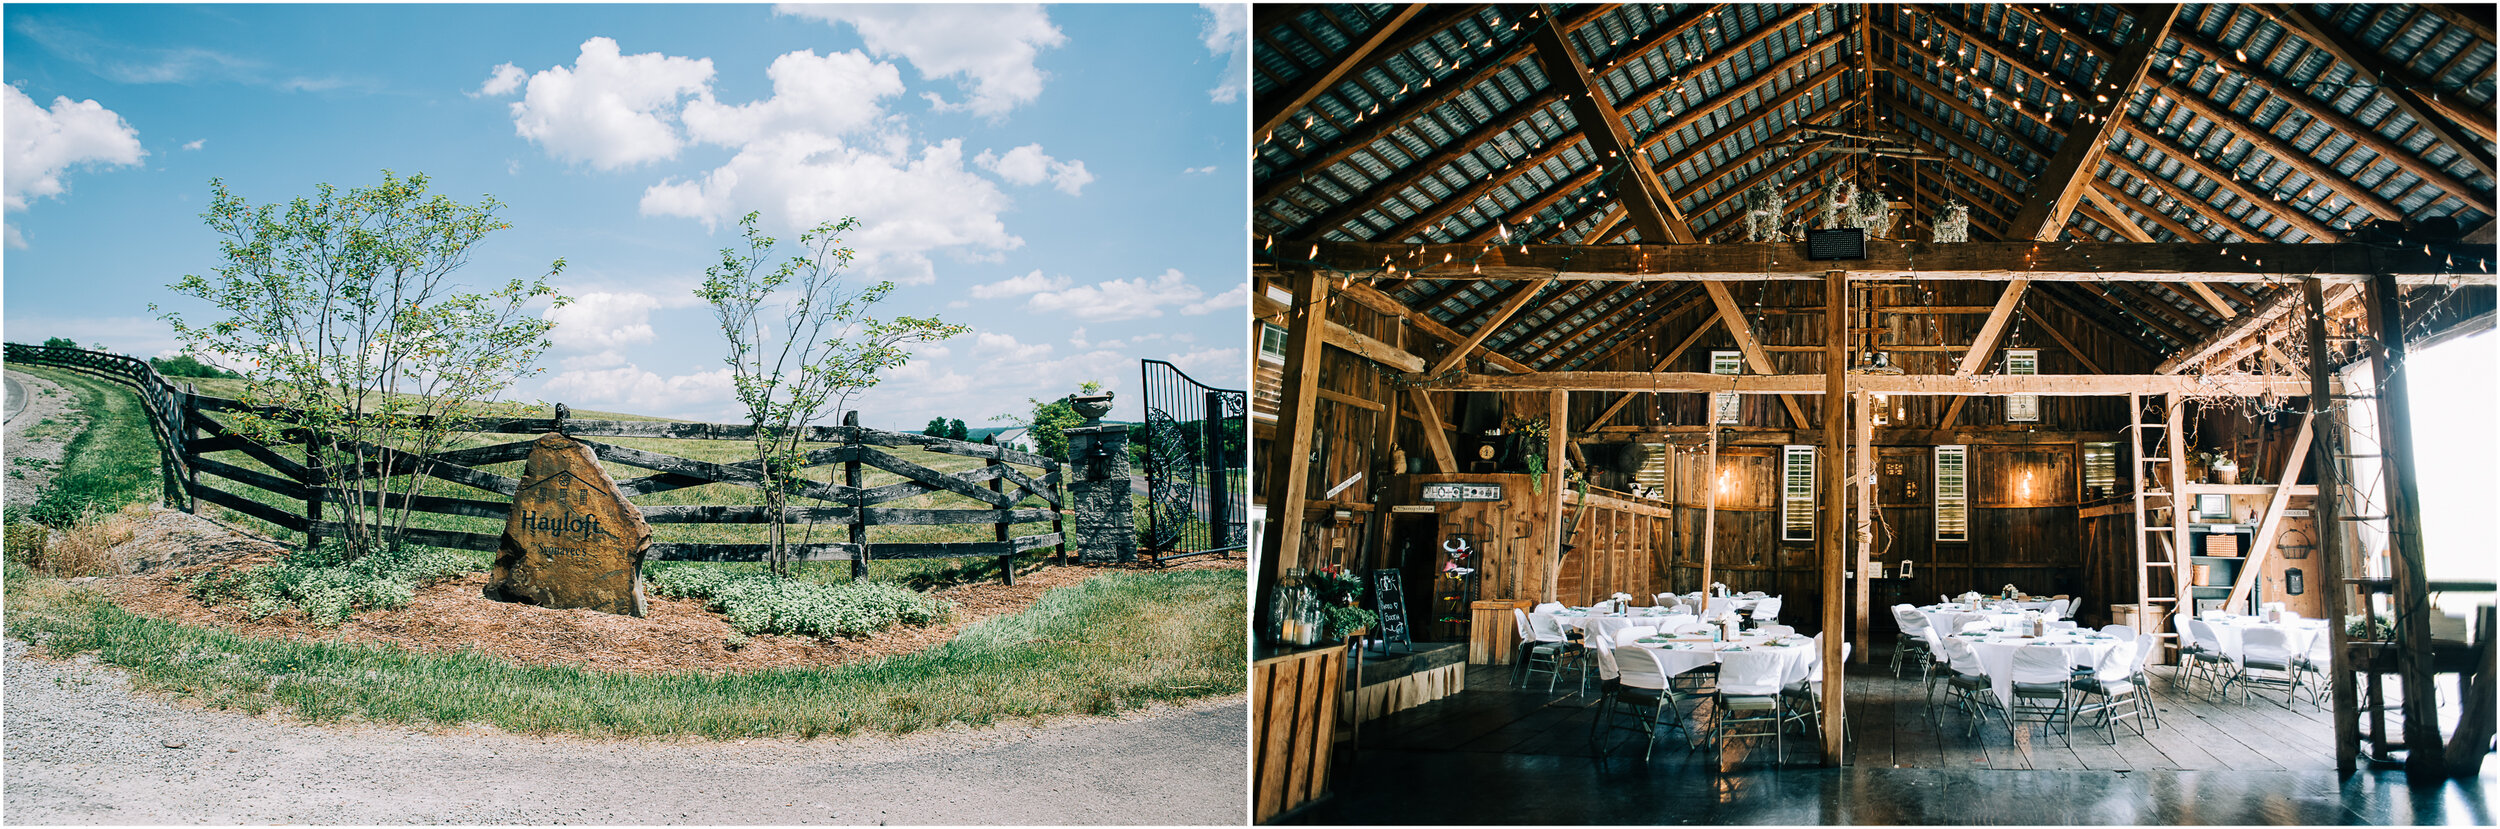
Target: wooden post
[
  {"x": 859, "y": 509},
  {"x": 1285, "y": 478},
  {"x": 2424, "y": 759},
  {"x": 1007, "y": 561},
  {"x": 1710, "y": 506},
  {"x": 2174, "y": 437},
  {"x": 1557, "y": 425},
  {"x": 312, "y": 491},
  {"x": 1834, "y": 551},
  {"x": 1863, "y": 476},
  {"x": 2325, "y": 443},
  {"x": 1385, "y": 468}
]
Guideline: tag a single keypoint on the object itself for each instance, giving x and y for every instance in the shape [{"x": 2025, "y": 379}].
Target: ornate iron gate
[{"x": 1197, "y": 452}]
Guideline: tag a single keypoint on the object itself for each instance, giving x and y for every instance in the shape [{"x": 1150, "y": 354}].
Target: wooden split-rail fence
[{"x": 199, "y": 449}]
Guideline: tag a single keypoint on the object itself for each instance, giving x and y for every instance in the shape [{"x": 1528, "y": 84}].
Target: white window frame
[
  {"x": 1278, "y": 355},
  {"x": 1952, "y": 493},
  {"x": 1725, "y": 404},
  {"x": 2022, "y": 408},
  {"x": 1797, "y": 493}
]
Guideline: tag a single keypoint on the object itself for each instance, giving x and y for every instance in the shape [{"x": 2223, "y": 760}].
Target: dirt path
[
  {"x": 36, "y": 438},
  {"x": 82, "y": 748}
]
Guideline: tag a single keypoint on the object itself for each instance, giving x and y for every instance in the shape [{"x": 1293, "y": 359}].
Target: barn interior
[{"x": 1860, "y": 306}]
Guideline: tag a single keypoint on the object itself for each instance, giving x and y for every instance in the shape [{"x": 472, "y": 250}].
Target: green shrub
[
  {"x": 326, "y": 589},
  {"x": 185, "y": 365},
  {"x": 760, "y": 602}
]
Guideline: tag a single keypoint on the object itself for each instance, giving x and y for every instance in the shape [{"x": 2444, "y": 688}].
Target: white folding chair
[
  {"x": 1776, "y": 630},
  {"x": 1805, "y": 696},
  {"x": 2112, "y": 679},
  {"x": 1679, "y": 628},
  {"x": 1643, "y": 686},
  {"x": 1715, "y": 607},
  {"x": 2039, "y": 673},
  {"x": 2058, "y": 608},
  {"x": 1546, "y": 607},
  {"x": 1749, "y": 695},
  {"x": 1766, "y": 611},
  {"x": 1968, "y": 688},
  {"x": 1910, "y": 642},
  {"x": 1629, "y": 634},
  {"x": 2267, "y": 649},
  {"x": 2211, "y": 661},
  {"x": 2126, "y": 632},
  {"x": 1537, "y": 646}
]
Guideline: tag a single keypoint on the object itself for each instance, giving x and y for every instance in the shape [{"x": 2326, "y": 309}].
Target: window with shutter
[
  {"x": 2022, "y": 408},
  {"x": 1724, "y": 403},
  {"x": 2100, "y": 467},
  {"x": 1952, "y": 493},
  {"x": 1797, "y": 494},
  {"x": 1271, "y": 343}
]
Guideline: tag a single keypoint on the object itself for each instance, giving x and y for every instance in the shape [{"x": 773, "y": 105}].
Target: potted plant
[
  {"x": 1528, "y": 433},
  {"x": 1341, "y": 598},
  {"x": 2220, "y": 467},
  {"x": 1090, "y": 402}
]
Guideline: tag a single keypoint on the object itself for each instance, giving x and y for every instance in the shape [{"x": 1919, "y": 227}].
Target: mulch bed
[{"x": 453, "y": 616}]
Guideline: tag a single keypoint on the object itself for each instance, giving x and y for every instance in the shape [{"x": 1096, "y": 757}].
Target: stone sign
[{"x": 572, "y": 540}]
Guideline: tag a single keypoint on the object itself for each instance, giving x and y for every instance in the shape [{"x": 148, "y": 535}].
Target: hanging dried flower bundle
[
  {"x": 1869, "y": 212},
  {"x": 1953, "y": 225},
  {"x": 1764, "y": 205},
  {"x": 1832, "y": 211}
]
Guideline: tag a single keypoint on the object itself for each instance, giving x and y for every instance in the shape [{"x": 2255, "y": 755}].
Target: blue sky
[{"x": 1066, "y": 180}]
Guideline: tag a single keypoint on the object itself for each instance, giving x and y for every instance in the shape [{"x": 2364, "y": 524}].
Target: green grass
[
  {"x": 111, "y": 464},
  {"x": 1118, "y": 641}
]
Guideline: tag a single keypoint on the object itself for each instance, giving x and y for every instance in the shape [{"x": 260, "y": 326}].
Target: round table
[
  {"x": 2298, "y": 636},
  {"x": 1606, "y": 624},
  {"x": 1996, "y": 654},
  {"x": 1950, "y": 618},
  {"x": 1679, "y": 654}
]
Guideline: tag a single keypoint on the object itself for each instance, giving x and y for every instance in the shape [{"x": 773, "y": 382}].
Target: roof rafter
[
  {"x": 1752, "y": 348},
  {"x": 2323, "y": 34},
  {"x": 2061, "y": 185},
  {"x": 1520, "y": 294},
  {"x": 1636, "y": 186},
  {"x": 1276, "y": 107}
]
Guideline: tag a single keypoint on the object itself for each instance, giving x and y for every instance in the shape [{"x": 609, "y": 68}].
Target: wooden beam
[
  {"x": 1862, "y": 489},
  {"x": 2230, "y": 183},
  {"x": 2089, "y": 262},
  {"x": 1752, "y": 348},
  {"x": 1985, "y": 385},
  {"x": 1691, "y": 300},
  {"x": 1678, "y": 351},
  {"x": 1436, "y": 439},
  {"x": 1519, "y": 297},
  {"x": 1557, "y": 437},
  {"x": 2327, "y": 511},
  {"x": 1636, "y": 185},
  {"x": 2119, "y": 221},
  {"x": 1280, "y": 104},
  {"x": 2223, "y": 60},
  {"x": 2369, "y": 67},
  {"x": 1829, "y": 543},
  {"x": 2270, "y": 528},
  {"x": 2424, "y": 759},
  {"x": 1372, "y": 298},
  {"x": 1984, "y": 346},
  {"x": 2062, "y": 342},
  {"x": 1289, "y": 456},
  {"x": 2234, "y": 332},
  {"x": 2044, "y": 217},
  {"x": 1344, "y": 338}
]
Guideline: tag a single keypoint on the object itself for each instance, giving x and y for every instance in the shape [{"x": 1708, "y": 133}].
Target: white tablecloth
[
  {"x": 2299, "y": 636},
  {"x": 1950, "y": 618},
  {"x": 1996, "y": 655},
  {"x": 1607, "y": 624},
  {"x": 1796, "y": 660}
]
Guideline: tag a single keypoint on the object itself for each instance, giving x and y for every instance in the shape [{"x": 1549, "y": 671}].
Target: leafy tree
[
  {"x": 185, "y": 365},
  {"x": 369, "y": 351},
  {"x": 936, "y": 427},
  {"x": 825, "y": 348},
  {"x": 955, "y": 430},
  {"x": 60, "y": 342}
]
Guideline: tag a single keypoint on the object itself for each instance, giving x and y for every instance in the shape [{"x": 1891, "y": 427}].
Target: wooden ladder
[{"x": 2161, "y": 531}]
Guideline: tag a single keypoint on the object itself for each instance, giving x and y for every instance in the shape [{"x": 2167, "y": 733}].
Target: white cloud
[
  {"x": 831, "y": 96},
  {"x": 1197, "y": 171},
  {"x": 1236, "y": 301},
  {"x": 1007, "y": 349},
  {"x": 1219, "y": 366},
  {"x": 989, "y": 49},
  {"x": 505, "y": 79},
  {"x": 1227, "y": 34},
  {"x": 910, "y": 206},
  {"x": 195, "y": 144},
  {"x": 1028, "y": 165},
  {"x": 602, "y": 320},
  {"x": 630, "y": 386},
  {"x": 43, "y": 144},
  {"x": 1019, "y": 286},
  {"x": 609, "y": 109},
  {"x": 603, "y": 359},
  {"x": 1122, "y": 299}
]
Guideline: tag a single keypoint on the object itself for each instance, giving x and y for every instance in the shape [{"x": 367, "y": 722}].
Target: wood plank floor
[
  {"x": 1891, "y": 726},
  {"x": 1499, "y": 754}
]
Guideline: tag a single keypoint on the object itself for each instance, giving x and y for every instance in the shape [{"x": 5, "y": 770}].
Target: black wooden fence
[{"x": 198, "y": 447}]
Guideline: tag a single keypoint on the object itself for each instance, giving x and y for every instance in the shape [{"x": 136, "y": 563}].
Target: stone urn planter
[{"x": 1091, "y": 406}]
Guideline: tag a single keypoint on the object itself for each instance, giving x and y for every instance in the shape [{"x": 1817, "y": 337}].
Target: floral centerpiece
[
  {"x": 2007, "y": 591},
  {"x": 1341, "y": 597},
  {"x": 1718, "y": 589},
  {"x": 2378, "y": 628},
  {"x": 1623, "y": 602}
]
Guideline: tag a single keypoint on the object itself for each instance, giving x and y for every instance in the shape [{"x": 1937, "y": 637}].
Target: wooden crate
[{"x": 1294, "y": 698}]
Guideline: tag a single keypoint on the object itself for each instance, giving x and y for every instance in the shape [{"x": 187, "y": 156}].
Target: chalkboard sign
[{"x": 1389, "y": 598}]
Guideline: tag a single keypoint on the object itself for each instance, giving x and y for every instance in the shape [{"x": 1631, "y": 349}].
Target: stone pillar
[{"x": 1098, "y": 492}]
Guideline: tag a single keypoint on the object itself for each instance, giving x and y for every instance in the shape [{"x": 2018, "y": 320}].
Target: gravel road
[
  {"x": 34, "y": 450},
  {"x": 82, "y": 748}
]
